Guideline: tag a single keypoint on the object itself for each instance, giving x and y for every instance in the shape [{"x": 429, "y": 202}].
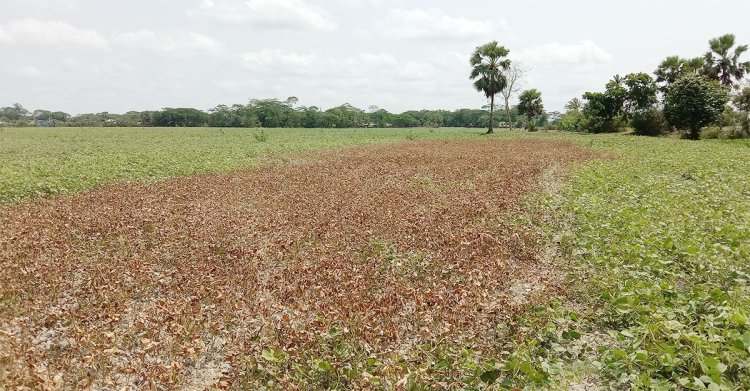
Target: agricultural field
[
  {"x": 372, "y": 259},
  {"x": 39, "y": 162}
]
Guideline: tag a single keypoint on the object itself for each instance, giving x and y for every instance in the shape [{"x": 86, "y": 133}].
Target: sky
[{"x": 84, "y": 56}]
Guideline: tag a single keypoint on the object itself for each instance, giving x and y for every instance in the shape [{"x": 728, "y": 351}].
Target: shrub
[
  {"x": 712, "y": 132},
  {"x": 573, "y": 121},
  {"x": 649, "y": 123}
]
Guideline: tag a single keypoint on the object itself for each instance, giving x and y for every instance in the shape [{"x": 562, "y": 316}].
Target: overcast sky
[{"x": 99, "y": 55}]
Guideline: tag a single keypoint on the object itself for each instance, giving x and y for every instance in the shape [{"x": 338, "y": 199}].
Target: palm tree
[
  {"x": 488, "y": 63},
  {"x": 669, "y": 71},
  {"x": 530, "y": 105},
  {"x": 574, "y": 105},
  {"x": 722, "y": 63},
  {"x": 675, "y": 67}
]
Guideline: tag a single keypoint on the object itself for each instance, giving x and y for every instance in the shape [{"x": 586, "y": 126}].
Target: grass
[
  {"x": 653, "y": 240},
  {"x": 41, "y": 162}
]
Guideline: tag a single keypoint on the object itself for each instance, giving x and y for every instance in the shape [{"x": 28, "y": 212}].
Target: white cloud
[
  {"x": 48, "y": 3},
  {"x": 171, "y": 43},
  {"x": 382, "y": 67},
  {"x": 5, "y": 37},
  {"x": 431, "y": 23},
  {"x": 283, "y": 14},
  {"x": 50, "y": 33},
  {"x": 363, "y": 79},
  {"x": 555, "y": 52}
]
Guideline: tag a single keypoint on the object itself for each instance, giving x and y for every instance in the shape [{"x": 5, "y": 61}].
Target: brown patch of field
[{"x": 177, "y": 284}]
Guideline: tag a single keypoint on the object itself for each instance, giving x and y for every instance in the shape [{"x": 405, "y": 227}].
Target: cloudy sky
[{"x": 102, "y": 55}]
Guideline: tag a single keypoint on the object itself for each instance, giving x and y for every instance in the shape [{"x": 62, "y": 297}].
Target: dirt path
[{"x": 171, "y": 284}]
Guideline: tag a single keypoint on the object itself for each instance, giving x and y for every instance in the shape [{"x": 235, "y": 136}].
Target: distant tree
[
  {"x": 488, "y": 64},
  {"x": 641, "y": 93},
  {"x": 530, "y": 105},
  {"x": 574, "y": 105},
  {"x": 694, "y": 102},
  {"x": 742, "y": 102},
  {"x": 573, "y": 119},
  {"x": 223, "y": 116},
  {"x": 722, "y": 63},
  {"x": 514, "y": 78},
  {"x": 601, "y": 112},
  {"x": 742, "y": 99},
  {"x": 15, "y": 112},
  {"x": 178, "y": 117}
]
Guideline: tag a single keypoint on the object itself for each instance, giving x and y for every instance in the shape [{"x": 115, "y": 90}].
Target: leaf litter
[{"x": 178, "y": 284}]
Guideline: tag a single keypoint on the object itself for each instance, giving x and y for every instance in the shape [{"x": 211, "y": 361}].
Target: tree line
[
  {"x": 265, "y": 113},
  {"x": 684, "y": 94}
]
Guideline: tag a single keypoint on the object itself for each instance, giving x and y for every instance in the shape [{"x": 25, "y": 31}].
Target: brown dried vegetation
[{"x": 183, "y": 283}]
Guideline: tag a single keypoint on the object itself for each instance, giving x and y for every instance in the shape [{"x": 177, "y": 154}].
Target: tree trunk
[
  {"x": 492, "y": 113},
  {"x": 507, "y": 110}
]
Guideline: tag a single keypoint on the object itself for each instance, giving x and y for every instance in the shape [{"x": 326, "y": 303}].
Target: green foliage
[
  {"x": 712, "y": 133},
  {"x": 573, "y": 121},
  {"x": 663, "y": 240},
  {"x": 694, "y": 102},
  {"x": 650, "y": 122},
  {"x": 641, "y": 93},
  {"x": 722, "y": 63},
  {"x": 530, "y": 105},
  {"x": 623, "y": 98}
]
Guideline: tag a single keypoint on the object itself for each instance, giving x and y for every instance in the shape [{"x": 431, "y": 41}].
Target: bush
[
  {"x": 573, "y": 121},
  {"x": 712, "y": 132},
  {"x": 604, "y": 125},
  {"x": 649, "y": 123}
]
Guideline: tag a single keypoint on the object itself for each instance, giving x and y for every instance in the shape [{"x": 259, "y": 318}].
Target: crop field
[
  {"x": 372, "y": 259},
  {"x": 49, "y": 161}
]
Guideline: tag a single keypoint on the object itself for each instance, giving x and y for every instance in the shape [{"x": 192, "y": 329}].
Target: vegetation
[
  {"x": 694, "y": 102},
  {"x": 514, "y": 77},
  {"x": 488, "y": 63},
  {"x": 530, "y": 105},
  {"x": 244, "y": 256},
  {"x": 265, "y": 113},
  {"x": 661, "y": 238},
  {"x": 724, "y": 64},
  {"x": 43, "y": 162},
  {"x": 633, "y": 100}
]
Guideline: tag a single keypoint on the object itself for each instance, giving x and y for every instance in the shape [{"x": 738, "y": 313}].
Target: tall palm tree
[
  {"x": 722, "y": 63},
  {"x": 488, "y": 63}
]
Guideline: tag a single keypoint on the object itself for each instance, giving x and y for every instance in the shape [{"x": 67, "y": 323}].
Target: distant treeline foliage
[
  {"x": 258, "y": 113},
  {"x": 687, "y": 94}
]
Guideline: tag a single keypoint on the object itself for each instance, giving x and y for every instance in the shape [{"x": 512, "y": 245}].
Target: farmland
[
  {"x": 42, "y": 162},
  {"x": 373, "y": 259}
]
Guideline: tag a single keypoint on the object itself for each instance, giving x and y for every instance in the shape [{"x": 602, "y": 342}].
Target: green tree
[
  {"x": 742, "y": 99},
  {"x": 641, "y": 93},
  {"x": 530, "y": 105},
  {"x": 723, "y": 63},
  {"x": 694, "y": 102},
  {"x": 488, "y": 64}
]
